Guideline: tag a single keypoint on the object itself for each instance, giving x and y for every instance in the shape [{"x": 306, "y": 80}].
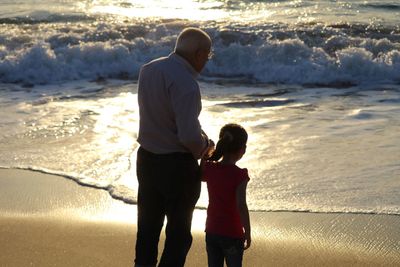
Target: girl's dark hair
[{"x": 232, "y": 138}]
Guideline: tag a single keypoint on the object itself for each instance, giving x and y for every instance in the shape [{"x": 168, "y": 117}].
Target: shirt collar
[{"x": 185, "y": 63}]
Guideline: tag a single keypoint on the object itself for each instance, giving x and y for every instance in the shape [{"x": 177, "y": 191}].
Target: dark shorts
[{"x": 222, "y": 248}]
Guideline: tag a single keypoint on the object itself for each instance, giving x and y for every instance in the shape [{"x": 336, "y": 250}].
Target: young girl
[{"x": 228, "y": 223}]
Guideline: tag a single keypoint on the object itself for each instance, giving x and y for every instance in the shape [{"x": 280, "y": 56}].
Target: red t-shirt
[{"x": 222, "y": 213}]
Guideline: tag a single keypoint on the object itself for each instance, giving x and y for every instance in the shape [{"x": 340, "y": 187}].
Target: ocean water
[{"x": 315, "y": 83}]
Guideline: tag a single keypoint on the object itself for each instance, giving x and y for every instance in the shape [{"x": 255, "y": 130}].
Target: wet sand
[{"x": 46, "y": 220}]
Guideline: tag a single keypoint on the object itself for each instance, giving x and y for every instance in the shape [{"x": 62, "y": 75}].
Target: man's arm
[{"x": 186, "y": 108}]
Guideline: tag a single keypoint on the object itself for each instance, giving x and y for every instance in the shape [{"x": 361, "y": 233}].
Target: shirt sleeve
[
  {"x": 187, "y": 107},
  {"x": 244, "y": 176}
]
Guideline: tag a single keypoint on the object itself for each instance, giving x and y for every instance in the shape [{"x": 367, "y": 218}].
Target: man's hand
[{"x": 210, "y": 149}]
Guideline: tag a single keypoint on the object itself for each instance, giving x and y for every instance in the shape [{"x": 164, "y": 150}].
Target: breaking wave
[{"x": 274, "y": 53}]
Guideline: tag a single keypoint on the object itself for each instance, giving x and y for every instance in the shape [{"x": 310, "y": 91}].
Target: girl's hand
[{"x": 247, "y": 241}]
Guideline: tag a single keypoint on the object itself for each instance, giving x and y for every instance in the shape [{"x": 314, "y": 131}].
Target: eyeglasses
[{"x": 210, "y": 55}]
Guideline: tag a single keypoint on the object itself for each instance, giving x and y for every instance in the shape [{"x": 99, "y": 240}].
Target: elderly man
[{"x": 171, "y": 140}]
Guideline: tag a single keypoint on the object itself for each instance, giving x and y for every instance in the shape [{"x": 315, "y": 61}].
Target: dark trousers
[
  {"x": 169, "y": 186},
  {"x": 220, "y": 248}
]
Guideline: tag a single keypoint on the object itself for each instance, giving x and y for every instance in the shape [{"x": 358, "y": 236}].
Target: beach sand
[{"x": 46, "y": 220}]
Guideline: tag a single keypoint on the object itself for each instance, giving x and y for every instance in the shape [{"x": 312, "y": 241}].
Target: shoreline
[
  {"x": 128, "y": 202},
  {"x": 49, "y": 221}
]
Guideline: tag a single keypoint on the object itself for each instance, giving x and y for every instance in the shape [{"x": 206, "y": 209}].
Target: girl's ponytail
[
  {"x": 232, "y": 137},
  {"x": 222, "y": 144}
]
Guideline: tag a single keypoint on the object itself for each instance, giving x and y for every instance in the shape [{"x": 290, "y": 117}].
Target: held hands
[{"x": 210, "y": 150}]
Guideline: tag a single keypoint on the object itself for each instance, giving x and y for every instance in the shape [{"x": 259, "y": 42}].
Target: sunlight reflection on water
[{"x": 190, "y": 9}]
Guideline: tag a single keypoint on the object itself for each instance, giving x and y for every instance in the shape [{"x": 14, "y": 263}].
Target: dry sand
[{"x": 46, "y": 220}]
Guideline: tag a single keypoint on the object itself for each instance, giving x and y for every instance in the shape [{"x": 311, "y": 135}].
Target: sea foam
[{"x": 311, "y": 54}]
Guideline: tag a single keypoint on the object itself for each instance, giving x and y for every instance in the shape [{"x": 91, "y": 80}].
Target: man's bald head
[{"x": 191, "y": 40}]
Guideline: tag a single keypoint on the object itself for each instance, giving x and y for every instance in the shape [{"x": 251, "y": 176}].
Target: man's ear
[{"x": 198, "y": 54}]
